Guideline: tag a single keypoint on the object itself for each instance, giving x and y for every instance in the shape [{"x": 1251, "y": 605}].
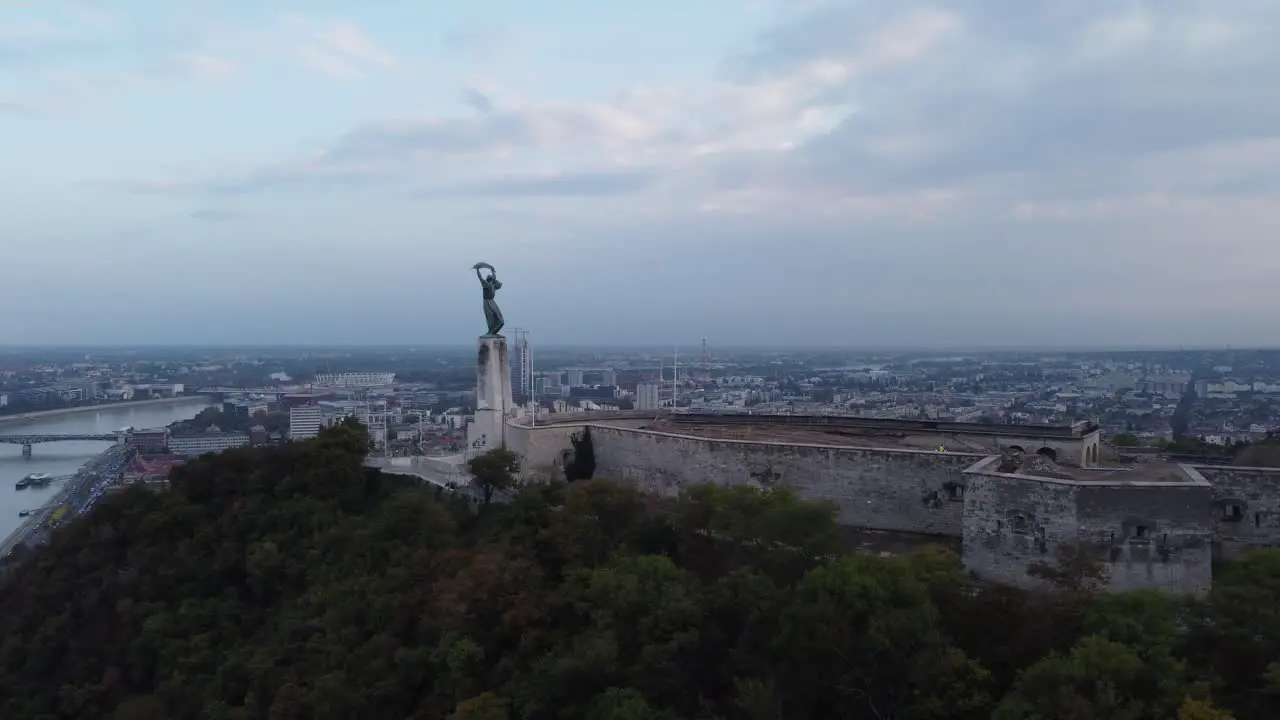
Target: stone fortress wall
[
  {"x": 1150, "y": 528},
  {"x": 1155, "y": 525}
]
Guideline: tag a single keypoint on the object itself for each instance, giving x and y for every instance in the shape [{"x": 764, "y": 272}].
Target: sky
[{"x": 755, "y": 172}]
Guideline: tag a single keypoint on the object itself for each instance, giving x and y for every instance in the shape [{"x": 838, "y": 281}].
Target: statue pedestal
[{"x": 493, "y": 396}]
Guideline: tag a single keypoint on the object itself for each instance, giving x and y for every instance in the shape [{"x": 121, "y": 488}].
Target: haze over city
[{"x": 879, "y": 173}]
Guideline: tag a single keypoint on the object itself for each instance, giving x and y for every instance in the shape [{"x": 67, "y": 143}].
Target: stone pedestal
[{"x": 493, "y": 395}]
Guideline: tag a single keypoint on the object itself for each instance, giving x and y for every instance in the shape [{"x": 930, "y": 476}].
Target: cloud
[
  {"x": 868, "y": 111},
  {"x": 15, "y": 107},
  {"x": 54, "y": 35},
  {"x": 543, "y": 186},
  {"x": 478, "y": 101},
  {"x": 213, "y": 215},
  {"x": 204, "y": 66},
  {"x": 216, "y": 46},
  {"x": 340, "y": 50}
]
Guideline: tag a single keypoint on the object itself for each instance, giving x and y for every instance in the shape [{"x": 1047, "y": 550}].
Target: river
[{"x": 64, "y": 458}]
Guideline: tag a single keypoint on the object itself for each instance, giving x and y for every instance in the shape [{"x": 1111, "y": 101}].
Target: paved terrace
[
  {"x": 1033, "y": 467},
  {"x": 858, "y": 432}
]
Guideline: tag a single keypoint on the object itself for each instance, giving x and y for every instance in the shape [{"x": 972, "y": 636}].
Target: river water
[{"x": 64, "y": 458}]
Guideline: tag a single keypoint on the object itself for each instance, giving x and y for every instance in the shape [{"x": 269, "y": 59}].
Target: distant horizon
[{"x": 694, "y": 347}]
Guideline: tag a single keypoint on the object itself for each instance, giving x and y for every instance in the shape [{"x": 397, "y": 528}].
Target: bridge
[{"x": 26, "y": 441}]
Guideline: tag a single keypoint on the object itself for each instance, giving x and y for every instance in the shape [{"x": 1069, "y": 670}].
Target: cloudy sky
[{"x": 980, "y": 172}]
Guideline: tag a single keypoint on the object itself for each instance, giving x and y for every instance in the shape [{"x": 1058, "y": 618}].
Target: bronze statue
[{"x": 490, "y": 287}]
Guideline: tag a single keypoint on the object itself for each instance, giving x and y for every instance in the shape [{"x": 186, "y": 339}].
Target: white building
[
  {"x": 647, "y": 396},
  {"x": 304, "y": 422},
  {"x": 213, "y": 442},
  {"x": 372, "y": 414}
]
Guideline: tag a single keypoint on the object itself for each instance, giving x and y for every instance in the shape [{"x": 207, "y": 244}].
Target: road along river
[{"x": 64, "y": 458}]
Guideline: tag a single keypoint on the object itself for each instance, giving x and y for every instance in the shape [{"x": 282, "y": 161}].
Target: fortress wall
[
  {"x": 542, "y": 447},
  {"x": 1012, "y": 521},
  {"x": 1147, "y": 534},
  {"x": 900, "y": 490},
  {"x": 1176, "y": 553},
  {"x": 1246, "y": 507}
]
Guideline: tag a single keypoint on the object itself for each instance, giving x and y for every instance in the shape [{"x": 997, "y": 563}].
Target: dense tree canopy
[{"x": 293, "y": 583}]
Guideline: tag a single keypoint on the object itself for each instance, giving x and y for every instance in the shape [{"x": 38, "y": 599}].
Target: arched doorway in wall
[
  {"x": 1093, "y": 454},
  {"x": 1016, "y": 449},
  {"x": 1049, "y": 453}
]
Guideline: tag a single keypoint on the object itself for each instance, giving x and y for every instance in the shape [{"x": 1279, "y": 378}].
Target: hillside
[{"x": 292, "y": 583}]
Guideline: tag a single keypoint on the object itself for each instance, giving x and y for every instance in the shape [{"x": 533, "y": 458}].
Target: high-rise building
[
  {"x": 647, "y": 396},
  {"x": 608, "y": 377},
  {"x": 575, "y": 377},
  {"x": 304, "y": 422},
  {"x": 521, "y": 364}
]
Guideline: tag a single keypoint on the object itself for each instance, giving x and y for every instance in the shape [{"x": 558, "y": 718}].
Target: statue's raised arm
[{"x": 489, "y": 286}]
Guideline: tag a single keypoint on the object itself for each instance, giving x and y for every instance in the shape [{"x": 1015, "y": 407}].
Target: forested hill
[{"x": 291, "y": 584}]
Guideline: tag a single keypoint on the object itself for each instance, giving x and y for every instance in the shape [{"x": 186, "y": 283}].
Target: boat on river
[{"x": 33, "y": 480}]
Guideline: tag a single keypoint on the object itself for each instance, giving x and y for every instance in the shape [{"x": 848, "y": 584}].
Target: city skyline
[{"x": 825, "y": 174}]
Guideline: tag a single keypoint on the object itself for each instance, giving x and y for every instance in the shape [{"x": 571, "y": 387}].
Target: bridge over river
[{"x": 26, "y": 441}]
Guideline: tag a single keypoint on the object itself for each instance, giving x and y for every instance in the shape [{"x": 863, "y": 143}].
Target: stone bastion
[{"x": 1157, "y": 525}]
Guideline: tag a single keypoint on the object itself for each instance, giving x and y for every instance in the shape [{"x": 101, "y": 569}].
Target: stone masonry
[{"x": 1158, "y": 529}]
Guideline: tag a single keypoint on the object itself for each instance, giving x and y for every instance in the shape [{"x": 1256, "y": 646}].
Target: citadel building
[{"x": 1010, "y": 494}]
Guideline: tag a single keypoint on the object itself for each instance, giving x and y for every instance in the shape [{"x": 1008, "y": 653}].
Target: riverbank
[{"x": 21, "y": 417}]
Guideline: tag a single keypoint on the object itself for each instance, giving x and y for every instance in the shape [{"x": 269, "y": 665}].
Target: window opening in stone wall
[
  {"x": 955, "y": 492},
  {"x": 1232, "y": 512},
  {"x": 1140, "y": 532},
  {"x": 1019, "y": 523}
]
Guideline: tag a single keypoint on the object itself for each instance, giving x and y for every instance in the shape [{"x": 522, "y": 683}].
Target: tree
[
  {"x": 294, "y": 582},
  {"x": 1263, "y": 454},
  {"x": 1125, "y": 439},
  {"x": 1237, "y": 641},
  {"x": 487, "y": 706},
  {"x": 1098, "y": 680},
  {"x": 1201, "y": 710},
  {"x": 582, "y": 462},
  {"x": 495, "y": 471}
]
